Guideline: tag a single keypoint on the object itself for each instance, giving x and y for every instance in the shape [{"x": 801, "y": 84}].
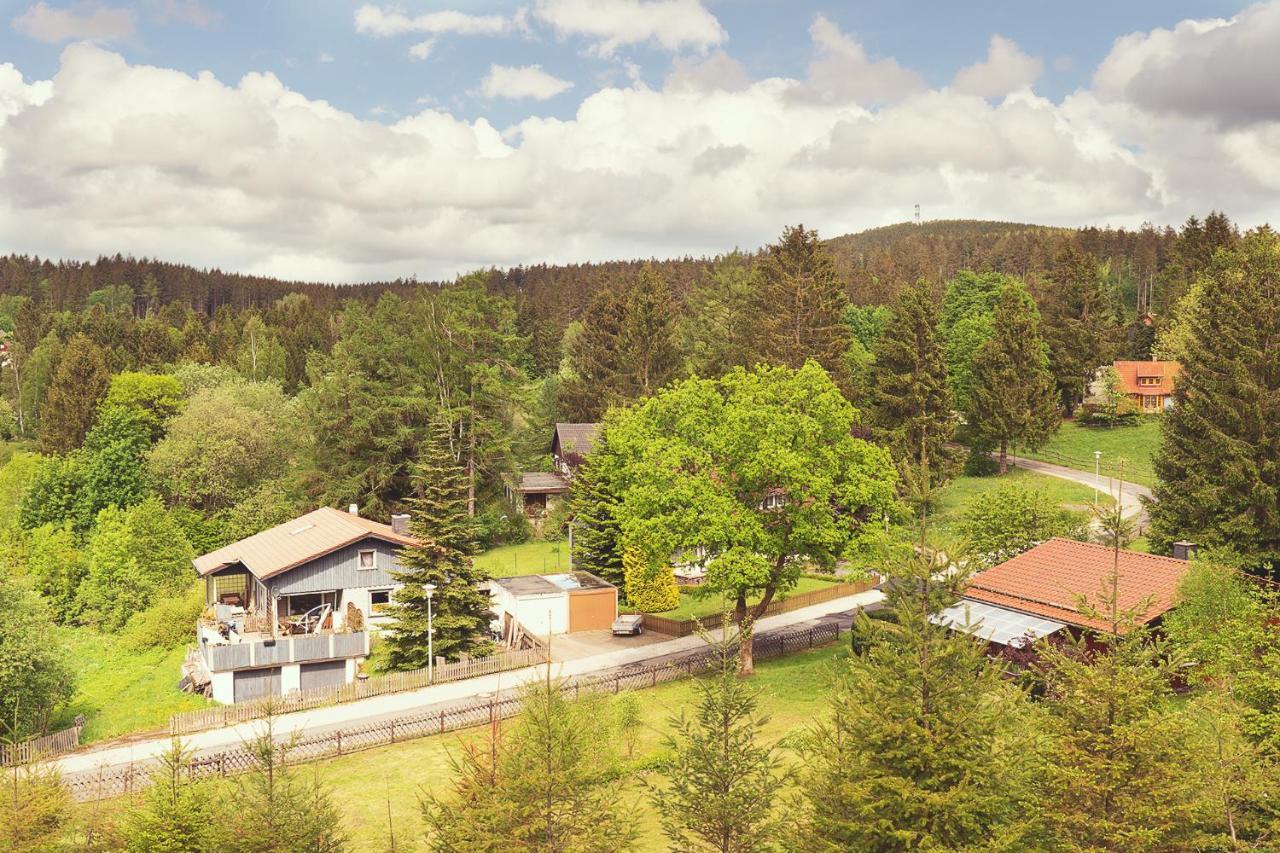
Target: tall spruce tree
[
  {"x": 458, "y": 610},
  {"x": 1075, "y": 323},
  {"x": 593, "y": 503},
  {"x": 176, "y": 814},
  {"x": 1014, "y": 398},
  {"x": 1218, "y": 478},
  {"x": 720, "y": 783},
  {"x": 80, "y": 381},
  {"x": 919, "y": 751},
  {"x": 911, "y": 410},
  {"x": 797, "y": 309},
  {"x": 647, "y": 343}
]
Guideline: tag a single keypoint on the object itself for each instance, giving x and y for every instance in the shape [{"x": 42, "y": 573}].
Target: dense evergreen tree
[
  {"x": 460, "y": 606},
  {"x": 1013, "y": 398},
  {"x": 79, "y": 383},
  {"x": 720, "y": 784},
  {"x": 796, "y": 312},
  {"x": 35, "y": 809},
  {"x": 920, "y": 748},
  {"x": 715, "y": 331},
  {"x": 1218, "y": 481},
  {"x": 545, "y": 785},
  {"x": 176, "y": 814},
  {"x": 597, "y": 536},
  {"x": 1075, "y": 323},
  {"x": 911, "y": 409}
]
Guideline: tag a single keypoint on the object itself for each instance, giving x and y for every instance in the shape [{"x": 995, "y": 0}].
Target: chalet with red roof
[
  {"x": 1041, "y": 592},
  {"x": 1149, "y": 384}
]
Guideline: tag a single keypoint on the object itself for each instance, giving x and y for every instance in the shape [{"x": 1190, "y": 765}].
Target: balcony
[{"x": 261, "y": 650}]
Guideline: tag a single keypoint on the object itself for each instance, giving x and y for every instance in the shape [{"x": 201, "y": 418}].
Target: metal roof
[
  {"x": 551, "y": 584},
  {"x": 996, "y": 624},
  {"x": 576, "y": 438},
  {"x": 288, "y": 545}
]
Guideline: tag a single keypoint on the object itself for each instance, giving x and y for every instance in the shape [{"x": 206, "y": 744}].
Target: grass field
[
  {"x": 528, "y": 558},
  {"x": 1073, "y": 446},
  {"x": 366, "y": 785},
  {"x": 121, "y": 691},
  {"x": 960, "y": 492},
  {"x": 697, "y": 607}
]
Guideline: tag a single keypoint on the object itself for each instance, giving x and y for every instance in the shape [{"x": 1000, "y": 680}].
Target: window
[
  {"x": 368, "y": 559},
  {"x": 776, "y": 500},
  {"x": 1148, "y": 380},
  {"x": 379, "y": 599}
]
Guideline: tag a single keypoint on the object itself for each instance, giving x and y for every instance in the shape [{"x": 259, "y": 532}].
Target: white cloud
[
  {"x": 842, "y": 71},
  {"x": 528, "y": 81},
  {"x": 249, "y": 175},
  {"x": 1224, "y": 70},
  {"x": 670, "y": 24},
  {"x": 1006, "y": 69},
  {"x": 191, "y": 12},
  {"x": 88, "y": 21},
  {"x": 324, "y": 58},
  {"x": 422, "y": 49},
  {"x": 383, "y": 22}
]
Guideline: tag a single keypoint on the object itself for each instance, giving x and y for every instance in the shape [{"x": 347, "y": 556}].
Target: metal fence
[
  {"x": 113, "y": 782},
  {"x": 39, "y": 748},
  {"x": 187, "y": 722},
  {"x": 685, "y": 627}
]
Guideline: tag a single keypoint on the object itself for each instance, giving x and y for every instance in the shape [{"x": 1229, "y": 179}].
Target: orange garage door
[{"x": 592, "y": 609}]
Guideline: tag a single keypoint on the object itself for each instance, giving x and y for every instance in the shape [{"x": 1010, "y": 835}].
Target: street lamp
[{"x": 431, "y": 635}]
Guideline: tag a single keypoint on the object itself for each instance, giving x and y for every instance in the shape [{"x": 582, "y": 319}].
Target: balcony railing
[{"x": 297, "y": 649}]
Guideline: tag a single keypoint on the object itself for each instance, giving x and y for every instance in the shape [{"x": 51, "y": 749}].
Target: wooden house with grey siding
[
  {"x": 537, "y": 493},
  {"x": 291, "y": 607}
]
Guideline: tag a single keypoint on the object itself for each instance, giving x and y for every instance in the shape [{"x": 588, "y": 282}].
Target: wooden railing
[
  {"x": 106, "y": 783},
  {"x": 685, "y": 627},
  {"x": 37, "y": 749},
  {"x": 362, "y": 688}
]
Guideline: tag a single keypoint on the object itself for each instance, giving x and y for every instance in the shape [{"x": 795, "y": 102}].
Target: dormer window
[
  {"x": 368, "y": 559},
  {"x": 1148, "y": 380}
]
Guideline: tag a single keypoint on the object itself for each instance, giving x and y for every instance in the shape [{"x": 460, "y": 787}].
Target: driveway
[{"x": 653, "y": 648}]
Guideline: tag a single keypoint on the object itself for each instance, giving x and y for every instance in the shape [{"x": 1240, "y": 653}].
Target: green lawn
[
  {"x": 793, "y": 693},
  {"x": 698, "y": 607},
  {"x": 528, "y": 558},
  {"x": 1073, "y": 446},
  {"x": 121, "y": 691},
  {"x": 956, "y": 496}
]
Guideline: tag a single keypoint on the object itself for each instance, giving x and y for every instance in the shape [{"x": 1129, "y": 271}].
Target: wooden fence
[
  {"x": 685, "y": 627},
  {"x": 187, "y": 722},
  {"x": 40, "y": 748},
  {"x": 113, "y": 782}
]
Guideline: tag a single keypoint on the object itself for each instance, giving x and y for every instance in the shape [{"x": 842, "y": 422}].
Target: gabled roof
[
  {"x": 1131, "y": 371},
  {"x": 575, "y": 438},
  {"x": 295, "y": 542},
  {"x": 1048, "y": 580},
  {"x": 538, "y": 482}
]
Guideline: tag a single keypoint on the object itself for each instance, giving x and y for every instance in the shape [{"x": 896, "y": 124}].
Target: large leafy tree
[
  {"x": 79, "y": 383},
  {"x": 920, "y": 750},
  {"x": 444, "y": 534},
  {"x": 35, "y": 674},
  {"x": 760, "y": 469},
  {"x": 965, "y": 324},
  {"x": 911, "y": 408},
  {"x": 797, "y": 306},
  {"x": 1218, "y": 480},
  {"x": 1013, "y": 398}
]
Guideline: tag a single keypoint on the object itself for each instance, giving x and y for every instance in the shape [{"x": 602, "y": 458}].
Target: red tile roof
[
  {"x": 1049, "y": 579},
  {"x": 1131, "y": 371}
]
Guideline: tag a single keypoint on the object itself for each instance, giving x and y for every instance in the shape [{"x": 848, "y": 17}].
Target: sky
[{"x": 337, "y": 141}]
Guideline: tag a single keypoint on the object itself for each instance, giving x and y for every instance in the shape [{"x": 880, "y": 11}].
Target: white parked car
[{"x": 628, "y": 624}]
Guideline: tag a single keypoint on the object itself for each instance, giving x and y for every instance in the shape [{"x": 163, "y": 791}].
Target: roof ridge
[{"x": 1109, "y": 548}]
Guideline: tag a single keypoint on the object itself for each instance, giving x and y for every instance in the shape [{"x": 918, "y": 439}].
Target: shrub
[
  {"x": 1013, "y": 518},
  {"x": 167, "y": 624},
  {"x": 650, "y": 585}
]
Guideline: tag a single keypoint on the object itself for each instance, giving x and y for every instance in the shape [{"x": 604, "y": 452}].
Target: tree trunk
[
  {"x": 746, "y": 662},
  {"x": 1004, "y": 456}
]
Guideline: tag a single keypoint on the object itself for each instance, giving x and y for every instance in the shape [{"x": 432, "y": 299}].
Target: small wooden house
[{"x": 536, "y": 493}]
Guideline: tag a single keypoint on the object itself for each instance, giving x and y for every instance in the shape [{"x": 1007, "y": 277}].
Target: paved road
[
  {"x": 443, "y": 696},
  {"x": 1131, "y": 498}
]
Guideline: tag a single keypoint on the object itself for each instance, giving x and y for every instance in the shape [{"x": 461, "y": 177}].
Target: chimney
[
  {"x": 354, "y": 509},
  {"x": 1184, "y": 550},
  {"x": 400, "y": 523}
]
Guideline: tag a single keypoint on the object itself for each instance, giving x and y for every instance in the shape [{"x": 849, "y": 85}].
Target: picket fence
[
  {"x": 40, "y": 748},
  {"x": 117, "y": 781},
  {"x": 685, "y": 627},
  {"x": 187, "y": 722}
]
